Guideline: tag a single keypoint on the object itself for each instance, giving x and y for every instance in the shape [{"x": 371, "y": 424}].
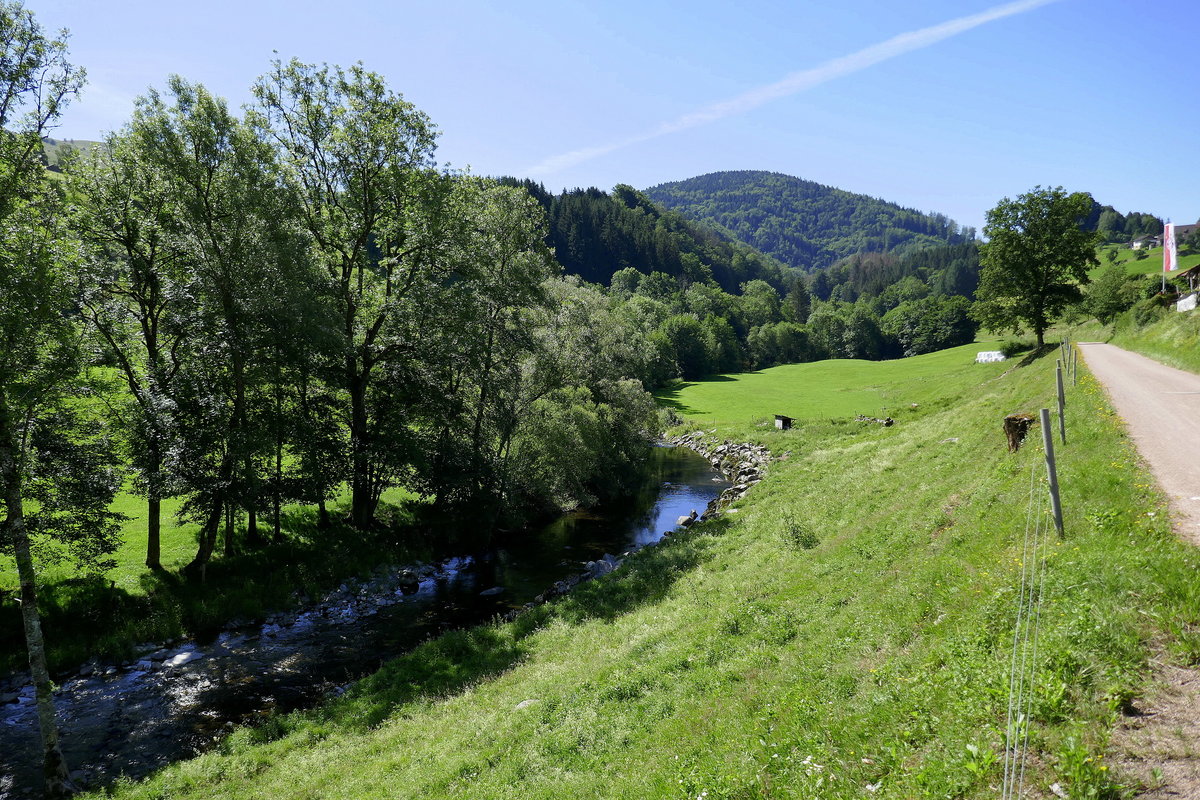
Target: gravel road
[{"x": 1161, "y": 409}]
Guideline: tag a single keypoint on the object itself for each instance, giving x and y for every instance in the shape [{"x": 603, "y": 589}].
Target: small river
[{"x": 177, "y": 701}]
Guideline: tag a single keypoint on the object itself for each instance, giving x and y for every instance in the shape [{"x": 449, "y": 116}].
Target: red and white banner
[{"x": 1170, "y": 258}]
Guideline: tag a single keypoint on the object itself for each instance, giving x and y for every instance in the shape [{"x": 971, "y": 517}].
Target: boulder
[
  {"x": 603, "y": 566},
  {"x": 409, "y": 582}
]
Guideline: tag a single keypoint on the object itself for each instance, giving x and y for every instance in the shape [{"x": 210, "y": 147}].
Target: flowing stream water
[{"x": 177, "y": 701}]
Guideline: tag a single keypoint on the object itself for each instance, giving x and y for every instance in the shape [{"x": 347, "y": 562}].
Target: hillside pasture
[{"x": 833, "y": 389}]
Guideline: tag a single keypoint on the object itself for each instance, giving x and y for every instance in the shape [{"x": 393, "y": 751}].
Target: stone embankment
[{"x": 742, "y": 464}]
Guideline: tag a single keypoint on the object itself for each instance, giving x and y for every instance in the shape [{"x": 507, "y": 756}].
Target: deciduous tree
[
  {"x": 359, "y": 160},
  {"x": 135, "y": 298},
  {"x": 1035, "y": 260},
  {"x": 246, "y": 267},
  {"x": 38, "y": 342}
]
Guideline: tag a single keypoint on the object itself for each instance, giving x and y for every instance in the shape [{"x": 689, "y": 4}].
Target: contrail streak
[{"x": 797, "y": 82}]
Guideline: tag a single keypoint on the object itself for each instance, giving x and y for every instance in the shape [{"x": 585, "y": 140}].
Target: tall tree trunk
[
  {"x": 230, "y": 520},
  {"x": 54, "y": 766},
  {"x": 277, "y": 496},
  {"x": 154, "y": 510},
  {"x": 362, "y": 509},
  {"x": 277, "y": 482},
  {"x": 323, "y": 521},
  {"x": 208, "y": 538},
  {"x": 249, "y": 492}
]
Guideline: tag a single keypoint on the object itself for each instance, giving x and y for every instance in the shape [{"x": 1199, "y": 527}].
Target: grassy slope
[
  {"x": 1173, "y": 340},
  {"x": 1150, "y": 265},
  {"x": 734, "y": 662},
  {"x": 834, "y": 388}
]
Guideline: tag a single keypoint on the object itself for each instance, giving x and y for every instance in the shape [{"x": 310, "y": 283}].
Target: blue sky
[{"x": 1093, "y": 95}]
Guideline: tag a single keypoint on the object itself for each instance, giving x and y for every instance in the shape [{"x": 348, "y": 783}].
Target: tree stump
[{"x": 1016, "y": 426}]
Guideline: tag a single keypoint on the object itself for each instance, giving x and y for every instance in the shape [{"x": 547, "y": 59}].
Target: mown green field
[
  {"x": 847, "y": 633},
  {"x": 834, "y": 388}
]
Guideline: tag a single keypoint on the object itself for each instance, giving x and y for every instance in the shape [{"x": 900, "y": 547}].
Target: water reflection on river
[{"x": 173, "y": 703}]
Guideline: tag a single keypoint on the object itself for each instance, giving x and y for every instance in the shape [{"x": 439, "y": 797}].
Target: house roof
[{"x": 1192, "y": 270}]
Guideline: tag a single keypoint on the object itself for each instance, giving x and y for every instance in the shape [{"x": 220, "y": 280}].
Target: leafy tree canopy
[{"x": 1035, "y": 260}]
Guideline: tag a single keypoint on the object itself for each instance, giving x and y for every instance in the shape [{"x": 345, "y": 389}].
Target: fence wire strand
[{"x": 1024, "y": 659}]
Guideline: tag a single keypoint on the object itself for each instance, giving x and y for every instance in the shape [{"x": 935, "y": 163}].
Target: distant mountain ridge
[{"x": 804, "y": 224}]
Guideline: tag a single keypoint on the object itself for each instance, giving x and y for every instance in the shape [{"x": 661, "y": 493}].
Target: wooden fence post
[
  {"x": 1048, "y": 441},
  {"x": 1062, "y": 402}
]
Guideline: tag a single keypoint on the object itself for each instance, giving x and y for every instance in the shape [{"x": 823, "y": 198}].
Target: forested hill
[
  {"x": 801, "y": 223},
  {"x": 595, "y": 234}
]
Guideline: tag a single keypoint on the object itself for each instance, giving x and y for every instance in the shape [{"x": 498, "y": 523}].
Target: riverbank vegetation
[
  {"x": 268, "y": 310},
  {"x": 290, "y": 300},
  {"x": 847, "y": 631},
  {"x": 235, "y": 316}
]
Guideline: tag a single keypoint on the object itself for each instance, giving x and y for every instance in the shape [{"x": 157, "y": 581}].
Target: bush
[
  {"x": 1014, "y": 347},
  {"x": 1147, "y": 311}
]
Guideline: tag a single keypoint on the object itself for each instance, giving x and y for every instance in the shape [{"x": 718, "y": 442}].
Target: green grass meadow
[
  {"x": 834, "y": 388},
  {"x": 1152, "y": 264},
  {"x": 846, "y": 633}
]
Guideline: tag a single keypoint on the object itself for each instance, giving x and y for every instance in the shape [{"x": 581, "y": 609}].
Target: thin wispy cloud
[{"x": 797, "y": 82}]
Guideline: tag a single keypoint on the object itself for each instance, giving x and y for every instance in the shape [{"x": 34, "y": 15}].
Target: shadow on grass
[
  {"x": 1037, "y": 353},
  {"x": 646, "y": 577},
  {"x": 669, "y": 398},
  {"x": 457, "y": 660}
]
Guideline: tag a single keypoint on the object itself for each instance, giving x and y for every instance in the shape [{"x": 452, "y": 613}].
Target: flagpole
[{"x": 1168, "y": 253}]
